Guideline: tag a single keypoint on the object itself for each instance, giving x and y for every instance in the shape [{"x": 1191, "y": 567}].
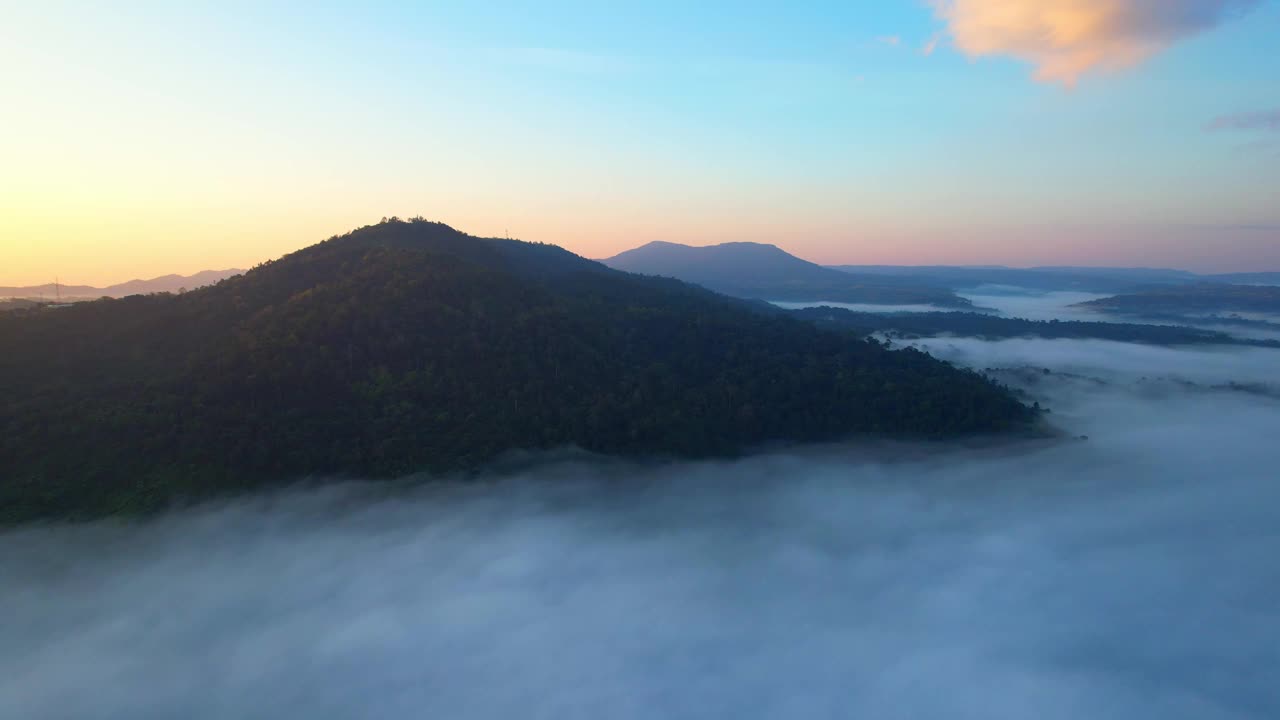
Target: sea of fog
[
  {"x": 1129, "y": 575},
  {"x": 1063, "y": 305},
  {"x": 1034, "y": 305},
  {"x": 998, "y": 299}
]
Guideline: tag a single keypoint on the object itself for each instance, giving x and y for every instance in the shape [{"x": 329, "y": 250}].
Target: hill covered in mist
[
  {"x": 767, "y": 272},
  {"x": 409, "y": 346}
]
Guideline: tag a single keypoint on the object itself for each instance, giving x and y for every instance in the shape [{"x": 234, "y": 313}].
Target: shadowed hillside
[{"x": 408, "y": 346}]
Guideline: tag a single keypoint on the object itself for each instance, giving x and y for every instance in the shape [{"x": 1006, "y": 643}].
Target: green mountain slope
[{"x": 408, "y": 346}]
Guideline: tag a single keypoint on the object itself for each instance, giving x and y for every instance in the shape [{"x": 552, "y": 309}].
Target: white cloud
[{"x": 1064, "y": 39}]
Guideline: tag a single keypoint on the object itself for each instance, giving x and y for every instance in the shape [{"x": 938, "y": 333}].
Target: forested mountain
[
  {"x": 766, "y": 272},
  {"x": 1191, "y": 299},
  {"x": 409, "y": 346},
  {"x": 166, "y": 283},
  {"x": 980, "y": 325}
]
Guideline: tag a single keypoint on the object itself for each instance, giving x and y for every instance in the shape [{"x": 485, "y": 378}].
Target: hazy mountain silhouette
[
  {"x": 409, "y": 346},
  {"x": 1079, "y": 279},
  {"x": 914, "y": 325},
  {"x": 766, "y": 272},
  {"x": 1248, "y": 278},
  {"x": 1197, "y": 298},
  {"x": 166, "y": 283}
]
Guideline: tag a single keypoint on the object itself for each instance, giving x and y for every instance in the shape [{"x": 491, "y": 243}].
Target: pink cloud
[{"x": 1064, "y": 39}]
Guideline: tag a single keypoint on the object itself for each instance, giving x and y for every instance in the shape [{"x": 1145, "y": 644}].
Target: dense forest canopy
[{"x": 408, "y": 346}]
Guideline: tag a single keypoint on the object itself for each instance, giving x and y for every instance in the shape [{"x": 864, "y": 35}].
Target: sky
[{"x": 140, "y": 139}]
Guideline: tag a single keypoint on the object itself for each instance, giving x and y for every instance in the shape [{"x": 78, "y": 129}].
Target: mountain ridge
[
  {"x": 1190, "y": 299},
  {"x": 409, "y": 347},
  {"x": 164, "y": 283},
  {"x": 767, "y": 272},
  {"x": 1106, "y": 280}
]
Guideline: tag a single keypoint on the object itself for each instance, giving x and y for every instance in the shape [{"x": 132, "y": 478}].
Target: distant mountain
[
  {"x": 1193, "y": 299},
  {"x": 1096, "y": 280},
  {"x": 990, "y": 327},
  {"x": 1253, "y": 278},
  {"x": 170, "y": 283},
  {"x": 766, "y": 272},
  {"x": 167, "y": 283},
  {"x": 409, "y": 346},
  {"x": 1132, "y": 274},
  {"x": 1048, "y": 278}
]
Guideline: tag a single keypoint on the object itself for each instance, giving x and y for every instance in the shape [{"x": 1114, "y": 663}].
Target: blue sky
[{"x": 160, "y": 138}]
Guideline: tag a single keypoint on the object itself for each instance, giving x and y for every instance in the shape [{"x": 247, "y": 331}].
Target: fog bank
[
  {"x": 1129, "y": 576},
  {"x": 1028, "y": 304}
]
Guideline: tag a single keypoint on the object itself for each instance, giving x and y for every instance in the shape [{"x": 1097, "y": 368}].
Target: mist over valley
[{"x": 1127, "y": 575}]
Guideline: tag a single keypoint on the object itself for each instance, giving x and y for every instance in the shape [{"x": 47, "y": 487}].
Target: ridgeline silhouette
[{"x": 409, "y": 346}]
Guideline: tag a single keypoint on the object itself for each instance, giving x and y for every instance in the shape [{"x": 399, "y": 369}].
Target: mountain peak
[
  {"x": 718, "y": 247},
  {"x": 410, "y": 347},
  {"x": 767, "y": 272}
]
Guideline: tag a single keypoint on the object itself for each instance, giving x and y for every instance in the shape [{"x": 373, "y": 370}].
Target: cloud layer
[
  {"x": 1064, "y": 39},
  {"x": 1130, "y": 576}
]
